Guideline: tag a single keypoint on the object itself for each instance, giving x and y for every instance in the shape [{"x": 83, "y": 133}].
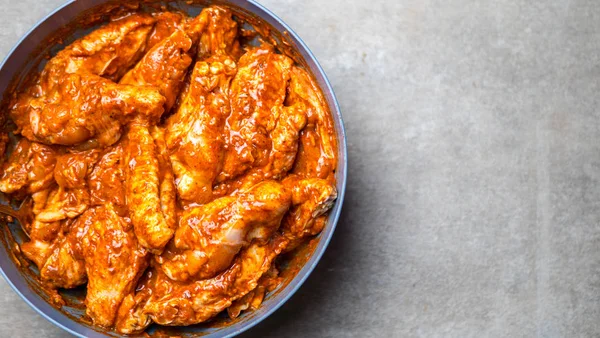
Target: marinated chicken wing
[
  {"x": 72, "y": 168},
  {"x": 196, "y": 302},
  {"x": 284, "y": 139},
  {"x": 194, "y": 132},
  {"x": 163, "y": 67},
  {"x": 301, "y": 103},
  {"x": 131, "y": 317},
  {"x": 53, "y": 206},
  {"x": 30, "y": 168},
  {"x": 86, "y": 107},
  {"x": 316, "y": 154},
  {"x": 108, "y": 51},
  {"x": 220, "y": 35},
  {"x": 37, "y": 251},
  {"x": 71, "y": 197},
  {"x": 257, "y": 95},
  {"x": 59, "y": 262},
  {"x": 107, "y": 180},
  {"x": 143, "y": 189},
  {"x": 63, "y": 203},
  {"x": 167, "y": 23},
  {"x": 63, "y": 269},
  {"x": 114, "y": 262},
  {"x": 311, "y": 198},
  {"x": 209, "y": 236},
  {"x": 74, "y": 101},
  {"x": 252, "y": 300}
]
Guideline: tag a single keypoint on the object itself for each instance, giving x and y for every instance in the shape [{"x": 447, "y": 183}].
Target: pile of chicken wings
[{"x": 169, "y": 164}]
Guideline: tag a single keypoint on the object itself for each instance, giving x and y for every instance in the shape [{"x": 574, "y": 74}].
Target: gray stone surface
[{"x": 474, "y": 176}]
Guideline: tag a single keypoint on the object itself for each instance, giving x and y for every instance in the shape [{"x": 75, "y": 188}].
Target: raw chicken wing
[{"x": 209, "y": 236}]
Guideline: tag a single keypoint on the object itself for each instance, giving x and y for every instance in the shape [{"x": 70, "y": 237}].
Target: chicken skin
[
  {"x": 209, "y": 236},
  {"x": 194, "y": 134},
  {"x": 70, "y": 197},
  {"x": 252, "y": 300},
  {"x": 166, "y": 24}
]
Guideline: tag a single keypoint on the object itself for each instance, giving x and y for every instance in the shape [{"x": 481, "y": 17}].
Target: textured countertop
[{"x": 473, "y": 194}]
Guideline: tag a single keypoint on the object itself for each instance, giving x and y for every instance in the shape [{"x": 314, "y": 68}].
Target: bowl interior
[{"x": 74, "y": 20}]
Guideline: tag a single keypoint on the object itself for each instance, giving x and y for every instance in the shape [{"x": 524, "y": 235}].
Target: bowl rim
[{"x": 341, "y": 177}]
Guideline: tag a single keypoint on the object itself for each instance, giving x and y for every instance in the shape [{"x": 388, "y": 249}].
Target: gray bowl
[{"x": 28, "y": 54}]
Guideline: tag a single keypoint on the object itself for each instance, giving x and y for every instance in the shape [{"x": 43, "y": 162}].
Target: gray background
[{"x": 474, "y": 170}]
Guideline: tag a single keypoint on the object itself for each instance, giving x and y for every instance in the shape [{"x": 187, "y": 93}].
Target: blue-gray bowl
[{"x": 28, "y": 53}]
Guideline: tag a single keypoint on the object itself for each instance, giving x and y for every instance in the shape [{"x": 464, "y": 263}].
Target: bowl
[{"x": 72, "y": 21}]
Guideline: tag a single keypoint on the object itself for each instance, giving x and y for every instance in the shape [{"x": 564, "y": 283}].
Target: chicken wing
[
  {"x": 252, "y": 300},
  {"x": 106, "y": 182},
  {"x": 86, "y": 107},
  {"x": 166, "y": 24},
  {"x": 311, "y": 198},
  {"x": 284, "y": 146},
  {"x": 54, "y": 210},
  {"x": 30, "y": 168},
  {"x": 163, "y": 67},
  {"x": 198, "y": 301},
  {"x": 194, "y": 132},
  {"x": 71, "y": 197},
  {"x": 143, "y": 189},
  {"x": 72, "y": 168},
  {"x": 131, "y": 317},
  {"x": 75, "y": 99},
  {"x": 209, "y": 236},
  {"x": 63, "y": 203},
  {"x": 316, "y": 154},
  {"x": 303, "y": 104},
  {"x": 220, "y": 37},
  {"x": 60, "y": 262},
  {"x": 257, "y": 96},
  {"x": 114, "y": 262},
  {"x": 63, "y": 269},
  {"x": 109, "y": 51}
]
